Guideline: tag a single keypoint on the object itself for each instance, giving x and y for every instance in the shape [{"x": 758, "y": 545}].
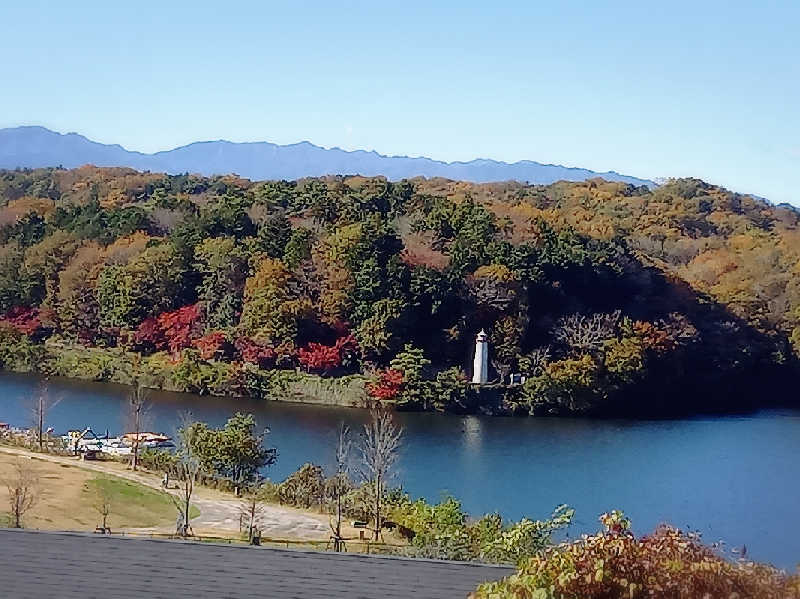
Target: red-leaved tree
[
  {"x": 150, "y": 335},
  {"x": 255, "y": 353},
  {"x": 181, "y": 327},
  {"x": 388, "y": 385},
  {"x": 317, "y": 357},
  {"x": 174, "y": 330},
  {"x": 212, "y": 345},
  {"x": 24, "y": 319}
]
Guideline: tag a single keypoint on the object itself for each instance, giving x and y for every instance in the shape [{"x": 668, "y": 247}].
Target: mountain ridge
[{"x": 33, "y": 146}]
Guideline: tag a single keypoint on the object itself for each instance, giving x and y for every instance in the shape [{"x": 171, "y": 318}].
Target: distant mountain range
[{"x": 33, "y": 147}]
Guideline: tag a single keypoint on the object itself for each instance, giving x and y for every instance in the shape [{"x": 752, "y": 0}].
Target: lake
[{"x": 733, "y": 478}]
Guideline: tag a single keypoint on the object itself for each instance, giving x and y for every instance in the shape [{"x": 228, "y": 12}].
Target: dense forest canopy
[{"x": 606, "y": 297}]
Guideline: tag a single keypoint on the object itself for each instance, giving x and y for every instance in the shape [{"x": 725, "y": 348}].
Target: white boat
[
  {"x": 149, "y": 440},
  {"x": 115, "y": 446},
  {"x": 87, "y": 440}
]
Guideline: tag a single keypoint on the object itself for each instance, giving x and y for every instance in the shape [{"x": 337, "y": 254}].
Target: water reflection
[{"x": 473, "y": 434}]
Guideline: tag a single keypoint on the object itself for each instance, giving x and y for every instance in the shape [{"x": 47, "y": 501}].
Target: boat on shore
[{"x": 88, "y": 441}]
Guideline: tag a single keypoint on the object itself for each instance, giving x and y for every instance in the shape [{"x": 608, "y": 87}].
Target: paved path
[
  {"x": 219, "y": 513},
  {"x": 37, "y": 565},
  {"x": 222, "y": 515}
]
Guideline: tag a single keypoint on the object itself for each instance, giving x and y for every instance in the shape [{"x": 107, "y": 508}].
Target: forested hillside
[{"x": 608, "y": 298}]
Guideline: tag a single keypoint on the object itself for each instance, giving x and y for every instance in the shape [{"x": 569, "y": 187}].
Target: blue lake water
[{"x": 733, "y": 478}]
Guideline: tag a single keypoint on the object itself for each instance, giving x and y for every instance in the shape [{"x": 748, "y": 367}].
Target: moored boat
[{"x": 88, "y": 440}]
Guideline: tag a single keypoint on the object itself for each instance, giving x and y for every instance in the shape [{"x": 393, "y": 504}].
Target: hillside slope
[{"x": 606, "y": 297}]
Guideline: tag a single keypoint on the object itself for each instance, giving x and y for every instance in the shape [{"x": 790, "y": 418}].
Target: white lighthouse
[{"x": 480, "y": 366}]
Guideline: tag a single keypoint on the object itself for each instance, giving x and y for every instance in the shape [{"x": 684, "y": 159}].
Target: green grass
[
  {"x": 133, "y": 505},
  {"x": 344, "y": 391}
]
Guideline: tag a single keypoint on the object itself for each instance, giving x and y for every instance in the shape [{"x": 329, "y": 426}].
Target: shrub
[
  {"x": 94, "y": 364},
  {"x": 303, "y": 488},
  {"x": 253, "y": 352},
  {"x": 158, "y": 460},
  {"x": 341, "y": 391},
  {"x": 669, "y": 564},
  {"x": 442, "y": 532},
  {"x": 195, "y": 375},
  {"x": 252, "y": 381},
  {"x": 269, "y": 492},
  {"x": 17, "y": 351},
  {"x": 525, "y": 538},
  {"x": 358, "y": 502}
]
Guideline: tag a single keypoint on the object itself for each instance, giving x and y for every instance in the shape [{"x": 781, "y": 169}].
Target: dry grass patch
[{"x": 67, "y": 497}]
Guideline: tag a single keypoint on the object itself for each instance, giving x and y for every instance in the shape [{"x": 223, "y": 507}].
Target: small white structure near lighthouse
[{"x": 480, "y": 366}]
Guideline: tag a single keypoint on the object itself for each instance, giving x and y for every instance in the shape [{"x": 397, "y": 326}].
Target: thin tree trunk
[
  {"x": 41, "y": 422},
  {"x": 377, "y": 507},
  {"x": 136, "y": 438},
  {"x": 137, "y": 415},
  {"x": 187, "y": 506},
  {"x": 378, "y": 453},
  {"x": 338, "y": 515}
]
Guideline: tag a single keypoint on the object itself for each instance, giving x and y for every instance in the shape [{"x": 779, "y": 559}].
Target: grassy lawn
[
  {"x": 67, "y": 497},
  {"x": 132, "y": 505}
]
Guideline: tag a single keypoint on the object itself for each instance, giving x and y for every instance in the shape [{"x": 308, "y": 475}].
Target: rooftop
[{"x": 54, "y": 565}]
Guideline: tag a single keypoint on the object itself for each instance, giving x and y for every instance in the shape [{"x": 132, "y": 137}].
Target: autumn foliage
[
  {"x": 211, "y": 345},
  {"x": 256, "y": 353},
  {"x": 150, "y": 334},
  {"x": 320, "y": 358},
  {"x": 388, "y": 385},
  {"x": 597, "y": 294},
  {"x": 174, "y": 330},
  {"x": 24, "y": 319},
  {"x": 668, "y": 564}
]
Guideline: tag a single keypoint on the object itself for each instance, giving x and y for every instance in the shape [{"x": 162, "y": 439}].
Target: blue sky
[{"x": 706, "y": 89}]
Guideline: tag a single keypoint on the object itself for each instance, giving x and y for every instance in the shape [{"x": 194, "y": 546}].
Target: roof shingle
[{"x": 54, "y": 565}]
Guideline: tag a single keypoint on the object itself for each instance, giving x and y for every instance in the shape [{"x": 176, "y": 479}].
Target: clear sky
[{"x": 652, "y": 89}]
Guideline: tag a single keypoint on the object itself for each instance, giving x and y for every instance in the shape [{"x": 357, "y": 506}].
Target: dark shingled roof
[{"x": 49, "y": 565}]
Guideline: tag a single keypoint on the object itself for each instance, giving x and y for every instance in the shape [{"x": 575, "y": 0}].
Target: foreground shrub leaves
[{"x": 668, "y": 564}]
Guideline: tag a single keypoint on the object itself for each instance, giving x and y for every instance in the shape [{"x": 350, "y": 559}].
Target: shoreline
[
  {"x": 733, "y": 410},
  {"x": 115, "y": 366}
]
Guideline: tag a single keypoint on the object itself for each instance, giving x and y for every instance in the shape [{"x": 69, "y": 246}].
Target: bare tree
[
  {"x": 494, "y": 293},
  {"x": 166, "y": 219},
  {"x": 251, "y": 511},
  {"x": 502, "y": 368},
  {"x": 102, "y": 504},
  {"x": 535, "y": 362},
  {"x": 40, "y": 405},
  {"x": 138, "y": 413},
  {"x": 23, "y": 490},
  {"x": 380, "y": 444},
  {"x": 38, "y": 411},
  {"x": 187, "y": 468},
  {"x": 259, "y": 213},
  {"x": 586, "y": 334},
  {"x": 341, "y": 482}
]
